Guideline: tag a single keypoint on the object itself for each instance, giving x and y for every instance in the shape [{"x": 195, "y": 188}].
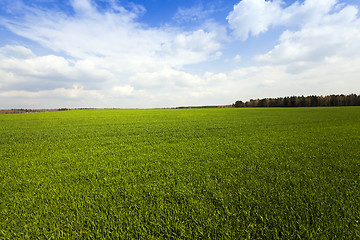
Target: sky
[{"x": 169, "y": 53}]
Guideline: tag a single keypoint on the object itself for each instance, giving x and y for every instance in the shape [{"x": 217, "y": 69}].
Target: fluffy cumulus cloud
[
  {"x": 106, "y": 57},
  {"x": 252, "y": 17},
  {"x": 331, "y": 34},
  {"x": 317, "y": 53},
  {"x": 21, "y": 69},
  {"x": 100, "y": 50},
  {"x": 114, "y": 34}
]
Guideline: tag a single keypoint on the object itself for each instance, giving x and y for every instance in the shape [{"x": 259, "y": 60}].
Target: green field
[{"x": 252, "y": 173}]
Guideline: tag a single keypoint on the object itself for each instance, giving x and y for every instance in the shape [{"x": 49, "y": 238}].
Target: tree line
[{"x": 309, "y": 101}]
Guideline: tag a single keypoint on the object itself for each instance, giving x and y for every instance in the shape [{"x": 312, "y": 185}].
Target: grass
[{"x": 279, "y": 173}]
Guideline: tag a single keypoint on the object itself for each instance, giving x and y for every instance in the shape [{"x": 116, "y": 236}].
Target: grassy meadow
[{"x": 251, "y": 173}]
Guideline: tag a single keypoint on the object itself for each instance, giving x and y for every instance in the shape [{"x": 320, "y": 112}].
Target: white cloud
[
  {"x": 253, "y": 16},
  {"x": 189, "y": 48},
  {"x": 193, "y": 14},
  {"x": 114, "y": 36},
  {"x": 257, "y": 16},
  {"x": 121, "y": 91},
  {"x": 165, "y": 79},
  {"x": 10, "y": 51},
  {"x": 335, "y": 75},
  {"x": 52, "y": 81},
  {"x": 82, "y": 7},
  {"x": 21, "y": 69},
  {"x": 316, "y": 52},
  {"x": 37, "y": 66},
  {"x": 102, "y": 50},
  {"x": 76, "y": 92},
  {"x": 337, "y": 34}
]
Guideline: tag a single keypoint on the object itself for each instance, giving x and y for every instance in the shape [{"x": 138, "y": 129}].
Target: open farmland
[{"x": 181, "y": 174}]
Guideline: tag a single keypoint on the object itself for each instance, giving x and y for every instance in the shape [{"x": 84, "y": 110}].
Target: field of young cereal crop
[{"x": 279, "y": 173}]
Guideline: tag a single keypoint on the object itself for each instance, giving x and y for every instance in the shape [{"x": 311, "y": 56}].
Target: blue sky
[{"x": 166, "y": 53}]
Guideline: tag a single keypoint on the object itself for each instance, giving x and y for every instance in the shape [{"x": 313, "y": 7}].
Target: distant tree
[
  {"x": 309, "y": 101},
  {"x": 239, "y": 104}
]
